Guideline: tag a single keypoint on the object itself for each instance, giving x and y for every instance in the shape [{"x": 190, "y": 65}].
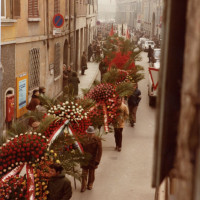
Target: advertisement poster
[{"x": 22, "y": 94}]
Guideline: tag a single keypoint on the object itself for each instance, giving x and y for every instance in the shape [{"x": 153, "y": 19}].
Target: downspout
[
  {"x": 47, "y": 43},
  {"x": 75, "y": 57}
]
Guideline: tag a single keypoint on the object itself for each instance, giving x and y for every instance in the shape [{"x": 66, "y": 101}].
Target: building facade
[
  {"x": 141, "y": 15},
  {"x": 36, "y": 42}
]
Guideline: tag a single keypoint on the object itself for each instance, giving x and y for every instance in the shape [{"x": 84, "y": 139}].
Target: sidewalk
[{"x": 91, "y": 74}]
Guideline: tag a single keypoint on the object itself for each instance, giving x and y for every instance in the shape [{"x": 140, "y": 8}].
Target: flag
[
  {"x": 111, "y": 31},
  {"x": 127, "y": 34}
]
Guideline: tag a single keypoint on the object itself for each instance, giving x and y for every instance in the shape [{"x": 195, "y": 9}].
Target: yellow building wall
[{"x": 8, "y": 33}]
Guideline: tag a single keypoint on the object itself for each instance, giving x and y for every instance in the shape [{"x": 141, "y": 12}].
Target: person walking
[
  {"x": 133, "y": 102},
  {"x": 123, "y": 114},
  {"x": 92, "y": 146},
  {"x": 102, "y": 68},
  {"x": 83, "y": 63},
  {"x": 73, "y": 83},
  {"x": 90, "y": 52},
  {"x": 59, "y": 186},
  {"x": 67, "y": 73},
  {"x": 150, "y": 53}
]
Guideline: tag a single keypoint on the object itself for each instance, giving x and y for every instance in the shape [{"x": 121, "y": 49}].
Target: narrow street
[{"x": 127, "y": 174}]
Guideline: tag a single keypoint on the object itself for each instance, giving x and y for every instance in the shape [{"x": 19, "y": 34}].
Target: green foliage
[
  {"x": 125, "y": 89},
  {"x": 87, "y": 103},
  {"x": 44, "y": 124},
  {"x": 17, "y": 128},
  {"x": 137, "y": 75},
  {"x": 35, "y": 115},
  {"x": 111, "y": 76},
  {"x": 47, "y": 102},
  {"x": 70, "y": 159}
]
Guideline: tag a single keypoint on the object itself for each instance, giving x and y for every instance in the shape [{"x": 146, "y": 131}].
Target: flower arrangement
[
  {"x": 122, "y": 61},
  {"x": 53, "y": 127},
  {"x": 42, "y": 175},
  {"x": 102, "y": 92},
  {"x": 28, "y": 147},
  {"x": 14, "y": 188},
  {"x": 73, "y": 112}
]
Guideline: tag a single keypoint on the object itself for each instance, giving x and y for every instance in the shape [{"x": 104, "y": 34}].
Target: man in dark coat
[
  {"x": 102, "y": 68},
  {"x": 59, "y": 186},
  {"x": 83, "y": 63},
  {"x": 67, "y": 73},
  {"x": 150, "y": 53},
  {"x": 133, "y": 102},
  {"x": 92, "y": 146},
  {"x": 73, "y": 83},
  {"x": 90, "y": 52}
]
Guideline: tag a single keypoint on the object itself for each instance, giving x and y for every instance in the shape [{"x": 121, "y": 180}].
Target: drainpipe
[{"x": 75, "y": 57}]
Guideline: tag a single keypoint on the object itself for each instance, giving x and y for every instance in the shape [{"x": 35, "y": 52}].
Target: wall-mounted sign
[
  {"x": 58, "y": 20},
  {"x": 56, "y": 31},
  {"x": 22, "y": 95}
]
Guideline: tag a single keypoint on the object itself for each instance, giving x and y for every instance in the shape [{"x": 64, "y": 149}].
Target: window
[
  {"x": 3, "y": 8},
  {"x": 34, "y": 68},
  {"x": 57, "y": 60},
  {"x": 56, "y": 6},
  {"x": 16, "y": 8},
  {"x": 33, "y": 11}
]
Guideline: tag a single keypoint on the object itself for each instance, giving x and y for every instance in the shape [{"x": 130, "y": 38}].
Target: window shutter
[
  {"x": 33, "y": 9},
  {"x": 16, "y": 8}
]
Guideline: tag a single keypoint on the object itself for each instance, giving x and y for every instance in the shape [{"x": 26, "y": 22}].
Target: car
[
  {"x": 141, "y": 42},
  {"x": 154, "y": 68},
  {"x": 148, "y": 43}
]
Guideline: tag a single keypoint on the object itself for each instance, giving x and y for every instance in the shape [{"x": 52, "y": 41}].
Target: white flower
[
  {"x": 76, "y": 104},
  {"x": 21, "y": 134},
  {"x": 68, "y": 106},
  {"x": 34, "y": 133},
  {"x": 72, "y": 120},
  {"x": 67, "y": 102},
  {"x": 4, "y": 170},
  {"x": 73, "y": 107},
  {"x": 30, "y": 133},
  {"x": 39, "y": 134},
  {"x": 16, "y": 163},
  {"x": 43, "y": 136},
  {"x": 68, "y": 116},
  {"x": 72, "y": 103},
  {"x": 4, "y": 144},
  {"x": 71, "y": 113},
  {"x": 81, "y": 117},
  {"x": 12, "y": 165}
]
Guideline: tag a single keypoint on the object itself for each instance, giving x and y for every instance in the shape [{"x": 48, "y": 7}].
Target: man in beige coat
[{"x": 119, "y": 123}]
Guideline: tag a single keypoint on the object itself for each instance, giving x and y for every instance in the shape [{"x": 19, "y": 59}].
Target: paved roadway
[{"x": 127, "y": 174}]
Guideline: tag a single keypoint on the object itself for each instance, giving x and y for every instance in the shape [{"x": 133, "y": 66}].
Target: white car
[
  {"x": 141, "y": 42},
  {"x": 153, "y": 76},
  {"x": 148, "y": 43}
]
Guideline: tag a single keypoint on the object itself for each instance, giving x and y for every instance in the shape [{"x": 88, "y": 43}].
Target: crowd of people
[{"x": 59, "y": 186}]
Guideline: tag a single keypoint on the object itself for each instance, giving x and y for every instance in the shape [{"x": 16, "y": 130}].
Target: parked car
[
  {"x": 148, "y": 43},
  {"x": 154, "y": 68},
  {"x": 141, "y": 42}
]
